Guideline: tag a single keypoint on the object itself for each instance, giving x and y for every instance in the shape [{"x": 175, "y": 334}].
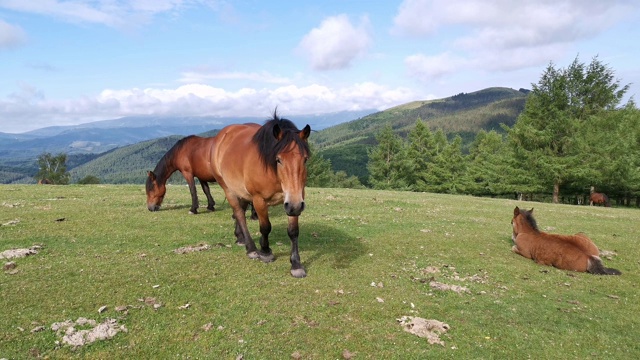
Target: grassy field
[{"x": 371, "y": 258}]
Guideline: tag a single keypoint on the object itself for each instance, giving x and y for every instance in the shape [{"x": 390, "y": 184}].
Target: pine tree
[
  {"x": 420, "y": 155},
  {"x": 546, "y": 134},
  {"x": 387, "y": 161}
]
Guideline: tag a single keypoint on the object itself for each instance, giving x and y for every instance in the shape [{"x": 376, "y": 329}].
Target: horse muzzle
[
  {"x": 294, "y": 209},
  {"x": 152, "y": 207}
]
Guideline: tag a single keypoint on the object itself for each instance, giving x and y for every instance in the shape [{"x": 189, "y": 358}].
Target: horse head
[
  {"x": 522, "y": 222},
  {"x": 291, "y": 168},
  {"x": 155, "y": 192}
]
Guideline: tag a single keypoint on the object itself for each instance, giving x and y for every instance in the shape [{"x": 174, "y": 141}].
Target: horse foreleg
[
  {"x": 207, "y": 192},
  {"x": 262, "y": 211},
  {"x": 297, "y": 270},
  {"x": 194, "y": 194}
]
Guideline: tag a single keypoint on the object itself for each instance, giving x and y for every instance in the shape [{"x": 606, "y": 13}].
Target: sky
[{"x": 66, "y": 62}]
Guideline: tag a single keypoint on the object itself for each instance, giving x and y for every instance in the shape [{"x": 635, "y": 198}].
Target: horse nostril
[{"x": 302, "y": 206}]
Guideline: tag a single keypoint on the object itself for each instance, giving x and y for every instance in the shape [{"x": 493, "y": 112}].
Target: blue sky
[{"x": 65, "y": 62}]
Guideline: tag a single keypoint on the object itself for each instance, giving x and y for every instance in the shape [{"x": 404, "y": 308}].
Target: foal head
[
  {"x": 523, "y": 221},
  {"x": 155, "y": 192}
]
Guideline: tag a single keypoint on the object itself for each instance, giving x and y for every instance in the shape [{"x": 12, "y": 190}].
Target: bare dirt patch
[
  {"x": 428, "y": 329},
  {"x": 20, "y": 253},
  {"x": 192, "y": 248},
  {"x": 86, "y": 331}
]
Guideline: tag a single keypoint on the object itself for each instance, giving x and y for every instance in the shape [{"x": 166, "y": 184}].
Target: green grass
[{"x": 110, "y": 250}]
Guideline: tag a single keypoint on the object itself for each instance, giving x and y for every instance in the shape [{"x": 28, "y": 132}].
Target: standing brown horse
[
  {"x": 191, "y": 156},
  {"x": 598, "y": 198},
  {"x": 265, "y": 165},
  {"x": 570, "y": 252}
]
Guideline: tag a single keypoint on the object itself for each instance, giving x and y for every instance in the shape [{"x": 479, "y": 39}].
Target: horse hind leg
[{"x": 207, "y": 192}]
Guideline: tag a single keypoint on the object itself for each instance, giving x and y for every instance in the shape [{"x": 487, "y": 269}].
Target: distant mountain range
[
  {"x": 121, "y": 150},
  {"x": 100, "y": 136}
]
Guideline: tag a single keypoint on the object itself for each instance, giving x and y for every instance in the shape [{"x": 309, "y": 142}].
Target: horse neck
[
  {"x": 164, "y": 169},
  {"x": 525, "y": 227}
]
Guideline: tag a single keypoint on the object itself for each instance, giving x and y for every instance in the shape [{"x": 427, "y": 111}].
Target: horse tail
[{"x": 595, "y": 266}]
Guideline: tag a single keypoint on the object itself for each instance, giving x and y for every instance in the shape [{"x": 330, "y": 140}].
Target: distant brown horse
[
  {"x": 191, "y": 156},
  {"x": 598, "y": 198},
  {"x": 45, "y": 182},
  {"x": 265, "y": 165},
  {"x": 570, "y": 252}
]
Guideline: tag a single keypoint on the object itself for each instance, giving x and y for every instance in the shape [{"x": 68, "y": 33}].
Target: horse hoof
[
  {"x": 253, "y": 255},
  {"x": 240, "y": 243},
  {"x": 266, "y": 258},
  {"x": 298, "y": 273},
  {"x": 211, "y": 209},
  {"x": 191, "y": 212}
]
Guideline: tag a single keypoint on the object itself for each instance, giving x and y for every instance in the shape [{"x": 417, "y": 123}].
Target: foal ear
[
  {"x": 277, "y": 132},
  {"x": 304, "y": 134},
  {"x": 516, "y": 211},
  {"x": 531, "y": 211}
]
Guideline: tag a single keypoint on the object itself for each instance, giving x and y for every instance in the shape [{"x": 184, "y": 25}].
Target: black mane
[
  {"x": 269, "y": 147},
  {"x": 528, "y": 215},
  {"x": 165, "y": 163}
]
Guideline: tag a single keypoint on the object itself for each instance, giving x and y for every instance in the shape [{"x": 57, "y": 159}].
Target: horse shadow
[{"x": 324, "y": 242}]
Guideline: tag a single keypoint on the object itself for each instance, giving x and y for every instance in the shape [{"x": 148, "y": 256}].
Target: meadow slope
[{"x": 371, "y": 258}]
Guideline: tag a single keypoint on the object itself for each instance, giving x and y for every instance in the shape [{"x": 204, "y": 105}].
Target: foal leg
[
  {"x": 207, "y": 192},
  {"x": 262, "y": 211},
  {"x": 297, "y": 270}
]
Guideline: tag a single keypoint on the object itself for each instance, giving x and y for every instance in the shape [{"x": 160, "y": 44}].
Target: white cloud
[
  {"x": 11, "y": 36},
  {"x": 336, "y": 43},
  {"x": 30, "y": 109},
  {"x": 426, "y": 68},
  {"x": 501, "y": 35},
  {"x": 205, "y": 76}
]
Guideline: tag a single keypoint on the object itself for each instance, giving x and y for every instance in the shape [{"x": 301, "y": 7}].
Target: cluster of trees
[{"x": 571, "y": 135}]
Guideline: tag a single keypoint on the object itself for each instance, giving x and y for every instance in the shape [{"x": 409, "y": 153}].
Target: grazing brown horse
[
  {"x": 264, "y": 165},
  {"x": 570, "y": 252},
  {"x": 45, "y": 182},
  {"x": 191, "y": 156}
]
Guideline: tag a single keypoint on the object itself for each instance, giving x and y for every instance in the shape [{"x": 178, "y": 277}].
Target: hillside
[
  {"x": 347, "y": 144},
  {"x": 126, "y": 165}
]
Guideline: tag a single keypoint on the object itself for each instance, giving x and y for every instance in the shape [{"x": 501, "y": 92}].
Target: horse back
[
  {"x": 569, "y": 252},
  {"x": 194, "y": 157}
]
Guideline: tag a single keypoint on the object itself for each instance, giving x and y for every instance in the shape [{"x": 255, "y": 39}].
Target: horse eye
[{"x": 278, "y": 161}]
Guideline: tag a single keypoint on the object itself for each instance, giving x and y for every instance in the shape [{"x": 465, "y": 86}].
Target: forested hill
[
  {"x": 128, "y": 164},
  {"x": 346, "y": 145}
]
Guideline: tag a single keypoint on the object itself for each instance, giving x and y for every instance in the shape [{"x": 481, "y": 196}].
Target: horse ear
[
  {"x": 151, "y": 175},
  {"x": 516, "y": 211},
  {"x": 304, "y": 134},
  {"x": 277, "y": 132},
  {"x": 531, "y": 211}
]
